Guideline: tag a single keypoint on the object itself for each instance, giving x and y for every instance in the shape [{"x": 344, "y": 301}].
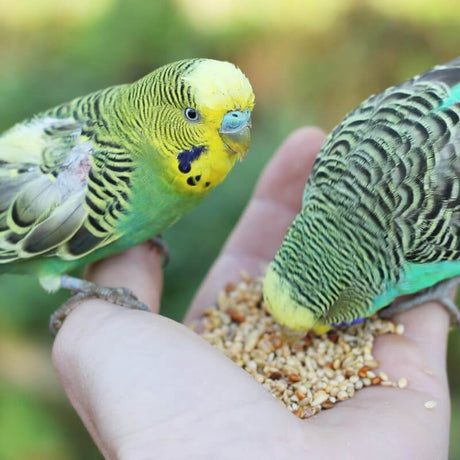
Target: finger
[
  {"x": 276, "y": 201},
  {"x": 138, "y": 269}
]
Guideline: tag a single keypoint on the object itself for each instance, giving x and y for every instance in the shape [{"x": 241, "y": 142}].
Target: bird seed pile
[{"x": 307, "y": 374}]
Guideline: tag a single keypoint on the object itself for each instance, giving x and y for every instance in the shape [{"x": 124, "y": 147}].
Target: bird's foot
[
  {"x": 439, "y": 293},
  {"x": 158, "y": 243},
  {"x": 85, "y": 290},
  {"x": 58, "y": 317}
]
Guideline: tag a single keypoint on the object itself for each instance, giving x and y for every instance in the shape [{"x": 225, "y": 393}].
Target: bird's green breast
[{"x": 155, "y": 204}]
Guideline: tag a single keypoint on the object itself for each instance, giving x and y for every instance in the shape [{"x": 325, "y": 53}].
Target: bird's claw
[{"x": 87, "y": 290}]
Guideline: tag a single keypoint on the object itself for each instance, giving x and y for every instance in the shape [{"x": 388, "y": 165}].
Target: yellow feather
[
  {"x": 24, "y": 142},
  {"x": 280, "y": 305},
  {"x": 219, "y": 87}
]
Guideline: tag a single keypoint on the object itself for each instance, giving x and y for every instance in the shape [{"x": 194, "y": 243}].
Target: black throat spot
[{"x": 187, "y": 157}]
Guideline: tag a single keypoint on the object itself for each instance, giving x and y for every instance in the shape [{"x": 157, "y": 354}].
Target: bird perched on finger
[
  {"x": 380, "y": 213},
  {"x": 94, "y": 176}
]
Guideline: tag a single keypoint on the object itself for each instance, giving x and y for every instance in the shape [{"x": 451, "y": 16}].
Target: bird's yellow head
[
  {"x": 282, "y": 305},
  {"x": 201, "y": 115}
]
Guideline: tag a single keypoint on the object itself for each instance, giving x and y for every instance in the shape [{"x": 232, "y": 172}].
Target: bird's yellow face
[
  {"x": 285, "y": 310},
  {"x": 206, "y": 128}
]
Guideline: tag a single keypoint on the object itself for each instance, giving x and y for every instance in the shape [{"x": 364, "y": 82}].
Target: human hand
[{"x": 147, "y": 387}]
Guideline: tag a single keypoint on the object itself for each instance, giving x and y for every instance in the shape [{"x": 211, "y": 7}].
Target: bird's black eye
[{"x": 192, "y": 114}]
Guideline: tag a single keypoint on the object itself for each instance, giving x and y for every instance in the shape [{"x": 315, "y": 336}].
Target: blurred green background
[{"x": 309, "y": 63}]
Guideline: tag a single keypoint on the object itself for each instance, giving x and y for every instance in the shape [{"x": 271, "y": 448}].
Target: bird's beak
[{"x": 235, "y": 131}]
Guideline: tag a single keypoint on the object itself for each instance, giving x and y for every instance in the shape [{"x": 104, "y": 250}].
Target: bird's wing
[
  {"x": 402, "y": 148},
  {"x": 435, "y": 213},
  {"x": 45, "y": 185}
]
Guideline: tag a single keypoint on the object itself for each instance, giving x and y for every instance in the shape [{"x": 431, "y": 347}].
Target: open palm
[{"x": 147, "y": 387}]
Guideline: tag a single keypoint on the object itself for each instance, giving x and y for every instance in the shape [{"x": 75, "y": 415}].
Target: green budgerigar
[
  {"x": 106, "y": 171},
  {"x": 380, "y": 213}
]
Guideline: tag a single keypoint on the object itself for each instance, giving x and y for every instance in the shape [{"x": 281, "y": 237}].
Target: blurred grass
[{"x": 309, "y": 64}]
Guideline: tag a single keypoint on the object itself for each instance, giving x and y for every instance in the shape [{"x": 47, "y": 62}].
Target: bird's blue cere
[{"x": 235, "y": 120}]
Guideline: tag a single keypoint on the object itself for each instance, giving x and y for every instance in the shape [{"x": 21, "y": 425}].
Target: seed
[
  {"x": 300, "y": 395},
  {"x": 236, "y": 316},
  {"x": 229, "y": 287},
  {"x": 244, "y": 275},
  {"x": 372, "y": 363},
  {"x": 363, "y": 371},
  {"x": 276, "y": 341},
  {"x": 308, "y": 374},
  {"x": 252, "y": 341},
  {"x": 327, "y": 404},
  {"x": 309, "y": 412},
  {"x": 431, "y": 404},
  {"x": 299, "y": 412},
  {"x": 221, "y": 300},
  {"x": 321, "y": 385},
  {"x": 260, "y": 378},
  {"x": 275, "y": 375},
  {"x": 333, "y": 336},
  {"x": 319, "y": 398}
]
